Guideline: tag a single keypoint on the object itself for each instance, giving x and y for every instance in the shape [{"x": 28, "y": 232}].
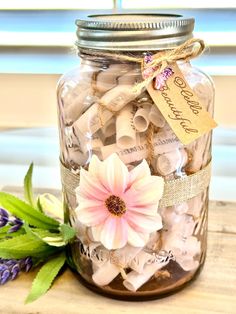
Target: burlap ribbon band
[{"x": 175, "y": 191}]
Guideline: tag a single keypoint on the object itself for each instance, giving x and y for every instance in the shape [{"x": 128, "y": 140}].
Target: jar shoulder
[{"x": 195, "y": 75}]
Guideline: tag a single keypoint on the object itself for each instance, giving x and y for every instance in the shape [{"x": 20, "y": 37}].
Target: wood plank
[
  {"x": 214, "y": 291},
  {"x": 222, "y": 217}
]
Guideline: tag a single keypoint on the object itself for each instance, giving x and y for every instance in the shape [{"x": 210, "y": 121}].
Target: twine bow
[{"x": 188, "y": 50}]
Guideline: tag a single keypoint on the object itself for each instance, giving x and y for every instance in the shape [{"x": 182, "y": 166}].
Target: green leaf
[
  {"x": 23, "y": 246},
  {"x": 7, "y": 235},
  {"x": 67, "y": 232},
  {"x": 53, "y": 239},
  {"x": 4, "y": 229},
  {"x": 26, "y": 212},
  {"x": 45, "y": 277},
  {"x": 39, "y": 205},
  {"x": 28, "y": 190}
]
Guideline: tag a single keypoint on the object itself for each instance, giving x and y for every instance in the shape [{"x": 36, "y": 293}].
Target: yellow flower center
[{"x": 115, "y": 205}]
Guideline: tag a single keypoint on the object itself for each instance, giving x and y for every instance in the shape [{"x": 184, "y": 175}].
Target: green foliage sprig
[{"x": 41, "y": 238}]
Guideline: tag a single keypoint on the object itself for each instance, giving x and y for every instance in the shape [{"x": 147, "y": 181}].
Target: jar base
[{"x": 142, "y": 295}]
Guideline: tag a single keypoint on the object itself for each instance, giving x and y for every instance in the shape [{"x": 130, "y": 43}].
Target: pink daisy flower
[{"x": 119, "y": 206}]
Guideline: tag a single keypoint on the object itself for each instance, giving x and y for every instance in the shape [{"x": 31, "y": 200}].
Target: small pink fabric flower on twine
[{"x": 120, "y": 206}]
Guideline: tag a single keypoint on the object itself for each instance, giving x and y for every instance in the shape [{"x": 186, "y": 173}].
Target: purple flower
[
  {"x": 148, "y": 57},
  {"x": 5, "y": 276},
  {"x": 167, "y": 72},
  {"x": 4, "y": 217},
  {"x": 15, "y": 223},
  {"x": 10, "y": 268},
  {"x": 26, "y": 264},
  {"x": 162, "y": 77}
]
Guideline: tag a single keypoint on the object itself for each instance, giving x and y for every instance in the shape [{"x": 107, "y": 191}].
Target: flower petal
[
  {"x": 114, "y": 234},
  {"x": 114, "y": 175},
  {"x": 91, "y": 216},
  {"x": 154, "y": 183},
  {"x": 94, "y": 166},
  {"x": 143, "y": 223},
  {"x": 137, "y": 239},
  {"x": 139, "y": 172},
  {"x": 96, "y": 231},
  {"x": 150, "y": 210},
  {"x": 145, "y": 192},
  {"x": 91, "y": 187}
]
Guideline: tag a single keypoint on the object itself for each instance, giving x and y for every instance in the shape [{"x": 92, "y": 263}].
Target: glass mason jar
[{"x": 127, "y": 246}]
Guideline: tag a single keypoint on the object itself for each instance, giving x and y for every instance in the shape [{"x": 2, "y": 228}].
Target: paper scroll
[{"x": 125, "y": 130}]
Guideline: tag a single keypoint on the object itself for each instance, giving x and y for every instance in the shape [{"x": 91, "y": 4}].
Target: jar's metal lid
[{"x": 133, "y": 32}]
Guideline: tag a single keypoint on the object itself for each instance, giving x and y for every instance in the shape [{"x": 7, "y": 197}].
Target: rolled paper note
[
  {"x": 138, "y": 262},
  {"x": 99, "y": 256},
  {"x": 170, "y": 217},
  {"x": 88, "y": 144},
  {"x": 187, "y": 263},
  {"x": 169, "y": 162},
  {"x": 192, "y": 246},
  {"x": 125, "y": 130},
  {"x": 188, "y": 247},
  {"x": 105, "y": 81},
  {"x": 124, "y": 256},
  {"x": 185, "y": 227},
  {"x": 77, "y": 157},
  {"x": 116, "y": 98},
  {"x": 109, "y": 141},
  {"x": 130, "y": 78},
  {"x": 107, "y": 78},
  {"x": 80, "y": 103},
  {"x": 135, "y": 280},
  {"x": 196, "y": 151},
  {"x": 154, "y": 241},
  {"x": 101, "y": 135},
  {"x": 90, "y": 122},
  {"x": 109, "y": 270},
  {"x": 105, "y": 274},
  {"x": 181, "y": 208},
  {"x": 96, "y": 143},
  {"x": 141, "y": 119},
  {"x": 163, "y": 142},
  {"x": 156, "y": 117},
  {"x": 109, "y": 128},
  {"x": 182, "y": 225},
  {"x": 97, "y": 153}
]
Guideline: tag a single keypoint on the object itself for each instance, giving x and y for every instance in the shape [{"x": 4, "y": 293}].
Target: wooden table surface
[{"x": 214, "y": 291}]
